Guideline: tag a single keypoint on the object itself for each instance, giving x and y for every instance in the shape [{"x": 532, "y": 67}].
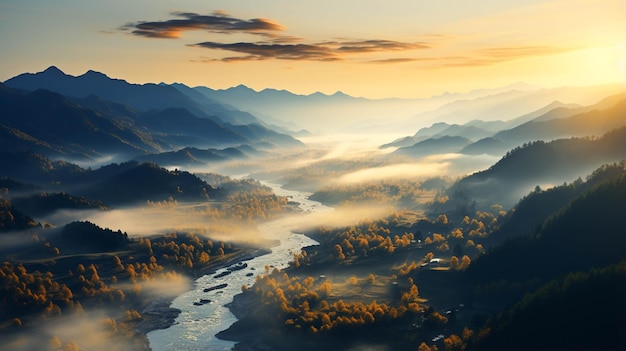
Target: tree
[
  {"x": 454, "y": 262},
  {"x": 453, "y": 343},
  {"x": 339, "y": 252},
  {"x": 424, "y": 347},
  {"x": 465, "y": 262},
  {"x": 442, "y": 219}
]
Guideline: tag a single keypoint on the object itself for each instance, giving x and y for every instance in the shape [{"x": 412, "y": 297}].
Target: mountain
[
  {"x": 45, "y": 203},
  {"x": 496, "y": 137},
  {"x": 433, "y": 146},
  {"x": 505, "y": 106},
  {"x": 490, "y": 146},
  {"x": 421, "y": 135},
  {"x": 192, "y": 157},
  {"x": 538, "y": 163},
  {"x": 227, "y": 113},
  {"x": 13, "y": 219},
  {"x": 556, "y": 123},
  {"x": 140, "y": 97},
  {"x": 113, "y": 184},
  {"x": 532, "y": 210},
  {"x": 34, "y": 168},
  {"x": 578, "y": 252},
  {"x": 588, "y": 232},
  {"x": 266, "y": 138},
  {"x": 148, "y": 181},
  {"x": 593, "y": 122},
  {"x": 553, "y": 110},
  {"x": 560, "y": 122},
  {"x": 180, "y": 127},
  {"x": 289, "y": 110},
  {"x": 90, "y": 128},
  {"x": 547, "y": 320},
  {"x": 47, "y": 122},
  {"x": 89, "y": 237}
]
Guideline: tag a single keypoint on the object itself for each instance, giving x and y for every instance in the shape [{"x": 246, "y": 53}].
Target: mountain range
[
  {"x": 553, "y": 121},
  {"x": 535, "y": 164},
  {"x": 92, "y": 116}
]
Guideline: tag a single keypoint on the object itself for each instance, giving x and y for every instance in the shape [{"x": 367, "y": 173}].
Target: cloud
[
  {"x": 398, "y": 60},
  {"x": 378, "y": 46},
  {"x": 325, "y": 51},
  {"x": 218, "y": 22},
  {"x": 495, "y": 55},
  {"x": 426, "y": 168},
  {"x": 273, "y": 51},
  {"x": 272, "y": 46},
  {"x": 510, "y": 53}
]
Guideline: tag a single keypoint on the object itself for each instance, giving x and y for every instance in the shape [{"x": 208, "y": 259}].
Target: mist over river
[{"x": 196, "y": 326}]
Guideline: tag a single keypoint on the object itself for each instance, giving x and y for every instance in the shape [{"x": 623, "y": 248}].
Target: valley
[{"x": 159, "y": 217}]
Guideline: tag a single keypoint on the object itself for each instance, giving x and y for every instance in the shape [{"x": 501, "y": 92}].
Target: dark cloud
[
  {"x": 273, "y": 44},
  {"x": 326, "y": 51},
  {"x": 257, "y": 51},
  {"x": 378, "y": 46},
  {"x": 218, "y": 22},
  {"x": 396, "y": 60},
  {"x": 480, "y": 57}
]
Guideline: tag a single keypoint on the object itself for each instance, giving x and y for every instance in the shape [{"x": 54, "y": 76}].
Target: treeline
[
  {"x": 397, "y": 232},
  {"x": 401, "y": 193},
  {"x": 308, "y": 313},
  {"x": 560, "y": 286},
  {"x": 586, "y": 233},
  {"x": 533, "y": 163},
  {"x": 45, "y": 203},
  {"x": 13, "y": 219},
  {"x": 302, "y": 303},
  {"x": 91, "y": 237},
  {"x": 581, "y": 311},
  {"x": 533, "y": 209}
]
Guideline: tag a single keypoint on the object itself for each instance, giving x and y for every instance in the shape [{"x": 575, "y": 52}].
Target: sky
[{"x": 374, "y": 49}]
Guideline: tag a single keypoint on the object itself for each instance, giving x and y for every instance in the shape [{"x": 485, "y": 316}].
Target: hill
[
  {"x": 47, "y": 122},
  {"x": 539, "y": 163},
  {"x": 586, "y": 233},
  {"x": 45, "y": 203},
  {"x": 532, "y": 210},
  {"x": 548, "y": 320},
  {"x": 147, "y": 181},
  {"x": 87, "y": 236},
  {"x": 13, "y": 219},
  {"x": 192, "y": 157},
  {"x": 114, "y": 184}
]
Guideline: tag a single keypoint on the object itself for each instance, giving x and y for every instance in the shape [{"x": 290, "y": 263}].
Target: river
[{"x": 196, "y": 326}]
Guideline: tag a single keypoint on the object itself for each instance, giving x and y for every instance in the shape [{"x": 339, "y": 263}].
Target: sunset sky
[{"x": 373, "y": 48}]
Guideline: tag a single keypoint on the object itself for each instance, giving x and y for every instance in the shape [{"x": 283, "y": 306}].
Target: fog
[
  {"x": 92, "y": 330},
  {"x": 149, "y": 221},
  {"x": 11, "y": 241},
  {"x": 403, "y": 170},
  {"x": 159, "y": 286}
]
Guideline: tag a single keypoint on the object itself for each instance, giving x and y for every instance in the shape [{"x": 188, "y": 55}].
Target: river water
[{"x": 196, "y": 326}]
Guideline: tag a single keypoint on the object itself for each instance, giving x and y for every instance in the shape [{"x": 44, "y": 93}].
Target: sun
[{"x": 606, "y": 64}]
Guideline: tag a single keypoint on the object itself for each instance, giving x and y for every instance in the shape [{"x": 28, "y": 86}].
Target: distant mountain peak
[
  {"x": 53, "y": 70},
  {"x": 95, "y": 74},
  {"x": 243, "y": 87}
]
